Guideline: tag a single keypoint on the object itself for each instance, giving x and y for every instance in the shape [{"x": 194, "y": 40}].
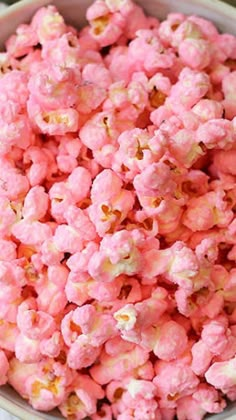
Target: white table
[{"x": 6, "y": 416}]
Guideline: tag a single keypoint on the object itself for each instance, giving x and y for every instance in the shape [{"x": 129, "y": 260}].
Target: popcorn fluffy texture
[{"x": 117, "y": 215}]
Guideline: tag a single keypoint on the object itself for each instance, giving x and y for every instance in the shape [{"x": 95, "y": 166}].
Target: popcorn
[
  {"x": 117, "y": 227},
  {"x": 82, "y": 401},
  {"x": 171, "y": 341},
  {"x": 182, "y": 382},
  {"x": 191, "y": 87},
  {"x": 195, "y": 53}
]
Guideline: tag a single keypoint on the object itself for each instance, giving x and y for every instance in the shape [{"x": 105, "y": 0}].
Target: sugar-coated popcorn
[{"x": 117, "y": 215}]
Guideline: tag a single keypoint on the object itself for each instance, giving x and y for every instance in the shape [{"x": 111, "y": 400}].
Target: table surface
[{"x": 6, "y": 416}]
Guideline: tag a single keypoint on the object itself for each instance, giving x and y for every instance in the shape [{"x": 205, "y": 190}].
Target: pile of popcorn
[{"x": 117, "y": 215}]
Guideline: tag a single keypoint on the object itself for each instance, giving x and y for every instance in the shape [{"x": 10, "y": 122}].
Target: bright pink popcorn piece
[
  {"x": 111, "y": 367},
  {"x": 209, "y": 399},
  {"x": 171, "y": 388},
  {"x": 35, "y": 204},
  {"x": 195, "y": 53},
  {"x": 34, "y": 324},
  {"x": 171, "y": 341},
  {"x": 82, "y": 354},
  {"x": 190, "y": 88},
  {"x": 213, "y": 212},
  {"x": 202, "y": 357},
  {"x": 79, "y": 183},
  {"x": 222, "y": 375},
  {"x": 48, "y": 24},
  {"x": 189, "y": 408},
  {"x": 82, "y": 401},
  {"x": 106, "y": 28},
  {"x": 56, "y": 122},
  {"x": 118, "y": 255},
  {"x": 31, "y": 233}
]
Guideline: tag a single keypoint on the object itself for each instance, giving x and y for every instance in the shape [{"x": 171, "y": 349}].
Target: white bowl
[{"x": 223, "y": 15}]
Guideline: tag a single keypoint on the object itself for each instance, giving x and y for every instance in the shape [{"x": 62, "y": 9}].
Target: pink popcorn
[
  {"x": 106, "y": 28},
  {"x": 106, "y": 292},
  {"x": 217, "y": 133},
  {"x": 35, "y": 204},
  {"x": 52, "y": 346},
  {"x": 208, "y": 28},
  {"x": 130, "y": 100},
  {"x": 67, "y": 239},
  {"x": 117, "y": 201},
  {"x": 8, "y": 335},
  {"x": 189, "y": 408},
  {"x": 50, "y": 254},
  {"x": 15, "y": 128},
  {"x": 111, "y": 367},
  {"x": 209, "y": 399},
  {"x": 86, "y": 326},
  {"x": 137, "y": 150},
  {"x": 27, "y": 350},
  {"x": 38, "y": 165},
  {"x": 100, "y": 133},
  {"x": 61, "y": 197},
  {"x": 214, "y": 335},
  {"x": 10, "y": 82},
  {"x": 213, "y": 212},
  {"x": 54, "y": 88},
  {"x": 107, "y": 215},
  {"x": 135, "y": 321},
  {"x": 224, "y": 161},
  {"x": 103, "y": 413},
  {"x": 5, "y": 63},
  {"x": 82, "y": 178},
  {"x": 229, "y": 102},
  {"x": 79, "y": 261},
  {"x": 221, "y": 375},
  {"x": 171, "y": 341},
  {"x": 62, "y": 51},
  {"x": 97, "y": 74},
  {"x": 202, "y": 357},
  {"x": 122, "y": 256},
  {"x": 16, "y": 189},
  {"x": 77, "y": 292},
  {"x": 208, "y": 109},
  {"x": 170, "y": 388},
  {"x": 155, "y": 57},
  {"x": 58, "y": 122},
  {"x": 195, "y": 53},
  {"x": 190, "y": 88},
  {"x": 34, "y": 324},
  {"x": 185, "y": 148},
  {"x": 21, "y": 44},
  {"x": 7, "y": 250},
  {"x": 82, "y": 354},
  {"x": 4, "y": 366},
  {"x": 31, "y": 232},
  {"x": 185, "y": 29},
  {"x": 48, "y": 24},
  {"x": 144, "y": 405},
  {"x": 168, "y": 27},
  {"x": 82, "y": 401},
  {"x": 51, "y": 297}
]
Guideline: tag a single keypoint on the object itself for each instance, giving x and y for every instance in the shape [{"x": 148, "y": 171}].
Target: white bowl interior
[{"x": 224, "y": 16}]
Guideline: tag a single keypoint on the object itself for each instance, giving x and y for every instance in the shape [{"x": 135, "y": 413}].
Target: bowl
[{"x": 224, "y": 17}]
